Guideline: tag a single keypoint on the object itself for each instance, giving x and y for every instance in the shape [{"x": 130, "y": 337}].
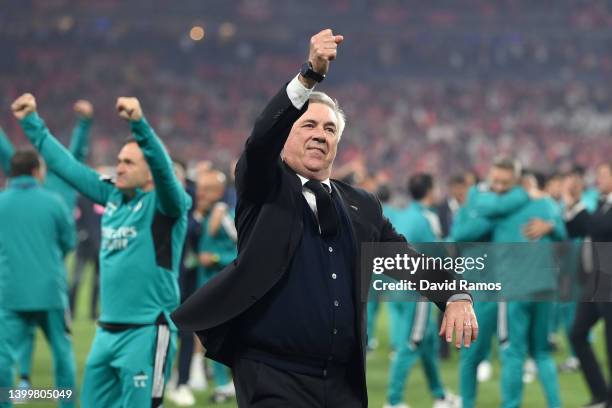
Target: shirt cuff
[
  {"x": 298, "y": 94},
  {"x": 459, "y": 296}
]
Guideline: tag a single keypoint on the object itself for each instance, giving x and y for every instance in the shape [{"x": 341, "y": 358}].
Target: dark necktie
[{"x": 328, "y": 217}]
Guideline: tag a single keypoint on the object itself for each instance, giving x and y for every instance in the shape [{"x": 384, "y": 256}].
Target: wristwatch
[{"x": 308, "y": 72}]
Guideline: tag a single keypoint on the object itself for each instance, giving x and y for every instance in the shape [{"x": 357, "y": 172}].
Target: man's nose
[{"x": 320, "y": 138}]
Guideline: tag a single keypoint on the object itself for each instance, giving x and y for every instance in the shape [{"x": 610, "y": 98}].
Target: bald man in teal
[
  {"x": 143, "y": 231},
  {"x": 216, "y": 249}
]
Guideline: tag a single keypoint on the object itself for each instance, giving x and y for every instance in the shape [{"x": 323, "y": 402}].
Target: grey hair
[
  {"x": 508, "y": 163},
  {"x": 325, "y": 99}
]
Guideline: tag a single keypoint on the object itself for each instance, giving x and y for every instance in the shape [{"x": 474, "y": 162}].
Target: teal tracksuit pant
[
  {"x": 128, "y": 368},
  {"x": 469, "y": 358},
  {"x": 416, "y": 334},
  {"x": 16, "y": 326},
  {"x": 530, "y": 321}
]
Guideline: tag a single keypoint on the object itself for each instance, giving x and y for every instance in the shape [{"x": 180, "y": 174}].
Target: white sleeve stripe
[
  {"x": 227, "y": 222},
  {"x": 163, "y": 341}
]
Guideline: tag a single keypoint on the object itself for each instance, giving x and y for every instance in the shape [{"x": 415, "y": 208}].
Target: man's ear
[
  {"x": 149, "y": 175},
  {"x": 39, "y": 174}
]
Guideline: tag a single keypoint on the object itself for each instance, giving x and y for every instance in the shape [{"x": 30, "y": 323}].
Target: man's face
[
  {"x": 572, "y": 185},
  {"x": 529, "y": 182},
  {"x": 209, "y": 189},
  {"x": 312, "y": 144},
  {"x": 501, "y": 180},
  {"x": 434, "y": 195},
  {"x": 459, "y": 192},
  {"x": 604, "y": 179},
  {"x": 554, "y": 187},
  {"x": 132, "y": 169}
]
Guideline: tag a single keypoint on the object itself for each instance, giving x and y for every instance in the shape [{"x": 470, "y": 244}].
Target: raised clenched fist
[
  {"x": 129, "y": 108},
  {"x": 23, "y": 106},
  {"x": 83, "y": 108},
  {"x": 323, "y": 49}
]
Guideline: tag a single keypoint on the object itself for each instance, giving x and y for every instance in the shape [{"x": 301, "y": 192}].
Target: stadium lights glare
[
  {"x": 65, "y": 23},
  {"x": 196, "y": 33},
  {"x": 227, "y": 30}
]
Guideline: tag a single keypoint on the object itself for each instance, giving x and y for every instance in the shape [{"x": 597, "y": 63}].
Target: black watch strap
[{"x": 307, "y": 72}]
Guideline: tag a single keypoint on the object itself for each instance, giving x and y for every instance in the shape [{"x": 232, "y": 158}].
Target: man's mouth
[{"x": 317, "y": 149}]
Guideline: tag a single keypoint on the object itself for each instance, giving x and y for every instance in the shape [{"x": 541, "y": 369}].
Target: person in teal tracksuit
[
  {"x": 143, "y": 231},
  {"x": 526, "y": 217},
  {"x": 79, "y": 147},
  {"x": 415, "y": 327},
  {"x": 216, "y": 249},
  {"x": 473, "y": 223},
  {"x": 525, "y": 326},
  {"x": 36, "y": 233},
  {"x": 391, "y": 212}
]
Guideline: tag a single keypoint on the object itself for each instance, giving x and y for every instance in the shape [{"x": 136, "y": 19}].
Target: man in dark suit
[
  {"x": 287, "y": 315},
  {"x": 597, "y": 296},
  {"x": 458, "y": 188}
]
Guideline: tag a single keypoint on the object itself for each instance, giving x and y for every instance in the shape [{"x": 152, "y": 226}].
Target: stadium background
[{"x": 427, "y": 86}]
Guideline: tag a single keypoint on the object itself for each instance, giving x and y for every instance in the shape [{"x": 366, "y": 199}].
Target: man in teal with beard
[
  {"x": 143, "y": 231},
  {"x": 472, "y": 224},
  {"x": 217, "y": 249},
  {"x": 530, "y": 217},
  {"x": 538, "y": 223}
]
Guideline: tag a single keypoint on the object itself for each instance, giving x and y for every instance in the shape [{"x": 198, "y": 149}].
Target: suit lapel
[
  {"x": 294, "y": 181},
  {"x": 352, "y": 210}
]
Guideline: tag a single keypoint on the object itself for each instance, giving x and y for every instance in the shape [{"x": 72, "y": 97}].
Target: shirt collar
[
  {"x": 22, "y": 181},
  {"x": 420, "y": 206},
  {"x": 137, "y": 194},
  {"x": 304, "y": 180}
]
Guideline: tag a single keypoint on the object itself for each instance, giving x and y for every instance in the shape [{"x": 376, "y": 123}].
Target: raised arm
[
  {"x": 172, "y": 199},
  {"x": 550, "y": 222},
  {"x": 468, "y": 226},
  {"x": 58, "y": 158},
  {"x": 6, "y": 153},
  {"x": 79, "y": 140},
  {"x": 259, "y": 164},
  {"x": 66, "y": 229},
  {"x": 559, "y": 232}
]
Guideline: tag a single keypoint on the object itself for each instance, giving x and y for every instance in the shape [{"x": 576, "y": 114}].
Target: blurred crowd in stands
[{"x": 437, "y": 87}]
